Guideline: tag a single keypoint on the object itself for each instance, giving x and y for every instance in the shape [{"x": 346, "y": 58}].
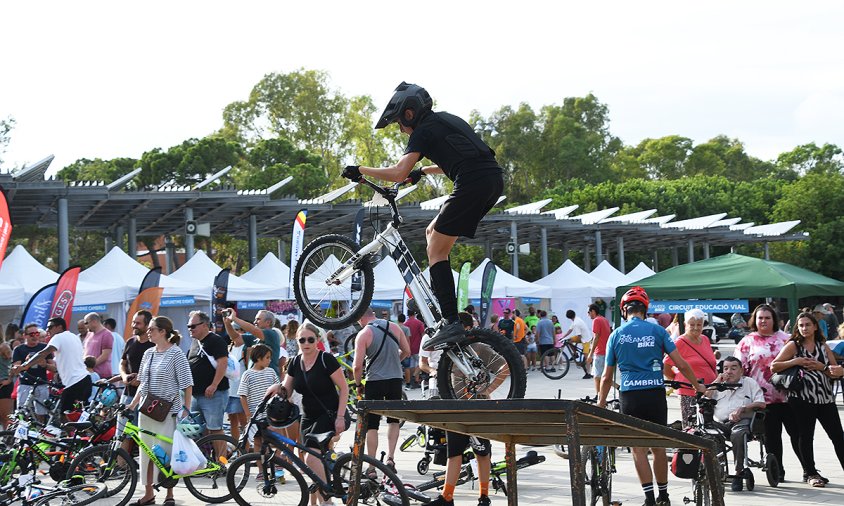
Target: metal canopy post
[
  {"x": 514, "y": 237},
  {"x": 132, "y": 247},
  {"x": 118, "y": 236},
  {"x": 253, "y": 240},
  {"x": 706, "y": 250},
  {"x": 543, "y": 246},
  {"x": 189, "y": 248},
  {"x": 64, "y": 242},
  {"x": 691, "y": 250},
  {"x": 587, "y": 259},
  {"x": 675, "y": 261},
  {"x": 621, "y": 266},
  {"x": 767, "y": 252},
  {"x": 599, "y": 248}
]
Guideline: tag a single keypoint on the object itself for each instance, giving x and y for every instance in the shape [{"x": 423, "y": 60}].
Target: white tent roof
[
  {"x": 270, "y": 270},
  {"x": 609, "y": 275},
  {"x": 507, "y": 285},
  {"x": 641, "y": 271},
  {"x": 201, "y": 269},
  {"x": 389, "y": 283},
  {"x": 570, "y": 281}
]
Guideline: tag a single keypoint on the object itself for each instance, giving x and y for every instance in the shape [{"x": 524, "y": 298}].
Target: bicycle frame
[
  {"x": 134, "y": 432},
  {"x": 271, "y": 440}
]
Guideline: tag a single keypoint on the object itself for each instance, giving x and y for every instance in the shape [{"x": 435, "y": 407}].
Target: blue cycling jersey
[{"x": 637, "y": 349}]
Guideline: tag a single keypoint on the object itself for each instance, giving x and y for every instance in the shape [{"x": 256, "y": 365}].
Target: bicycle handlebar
[
  {"x": 709, "y": 386},
  {"x": 389, "y": 193}
]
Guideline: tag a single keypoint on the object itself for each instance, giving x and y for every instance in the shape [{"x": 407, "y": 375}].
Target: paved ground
[{"x": 548, "y": 483}]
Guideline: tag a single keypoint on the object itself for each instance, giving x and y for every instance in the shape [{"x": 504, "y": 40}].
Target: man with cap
[{"x": 506, "y": 325}]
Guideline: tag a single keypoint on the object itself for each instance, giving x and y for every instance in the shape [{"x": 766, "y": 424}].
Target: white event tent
[
  {"x": 270, "y": 270},
  {"x": 610, "y": 275},
  {"x": 389, "y": 283},
  {"x": 641, "y": 271},
  {"x": 203, "y": 270},
  {"x": 573, "y": 288},
  {"x": 507, "y": 285}
]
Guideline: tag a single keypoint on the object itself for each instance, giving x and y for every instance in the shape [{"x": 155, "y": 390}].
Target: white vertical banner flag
[{"x": 296, "y": 244}]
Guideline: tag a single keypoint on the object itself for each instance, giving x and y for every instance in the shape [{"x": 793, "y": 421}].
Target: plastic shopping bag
[{"x": 185, "y": 459}]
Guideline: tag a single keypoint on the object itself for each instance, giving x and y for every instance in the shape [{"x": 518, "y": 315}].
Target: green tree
[
  {"x": 190, "y": 162},
  {"x": 722, "y": 156},
  {"x": 811, "y": 159},
  {"x": 271, "y": 160},
  {"x": 97, "y": 169}
]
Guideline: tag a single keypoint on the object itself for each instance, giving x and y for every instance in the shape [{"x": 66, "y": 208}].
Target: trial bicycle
[
  {"x": 555, "y": 363},
  {"x": 252, "y": 479},
  {"x": 334, "y": 284},
  {"x": 112, "y": 465}
]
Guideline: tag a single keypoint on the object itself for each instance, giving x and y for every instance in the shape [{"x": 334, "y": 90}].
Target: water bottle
[
  {"x": 332, "y": 459},
  {"x": 161, "y": 455},
  {"x": 33, "y": 493}
]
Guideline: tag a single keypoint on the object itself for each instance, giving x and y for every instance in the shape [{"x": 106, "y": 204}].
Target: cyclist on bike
[
  {"x": 637, "y": 348},
  {"x": 459, "y": 153}
]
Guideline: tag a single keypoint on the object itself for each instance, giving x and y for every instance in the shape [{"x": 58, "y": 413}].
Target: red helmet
[{"x": 636, "y": 294}]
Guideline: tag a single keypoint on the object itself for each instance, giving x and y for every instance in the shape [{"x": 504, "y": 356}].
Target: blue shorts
[
  {"x": 212, "y": 409},
  {"x": 234, "y": 406}
]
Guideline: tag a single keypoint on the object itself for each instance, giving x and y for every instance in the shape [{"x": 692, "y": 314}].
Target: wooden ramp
[{"x": 552, "y": 421}]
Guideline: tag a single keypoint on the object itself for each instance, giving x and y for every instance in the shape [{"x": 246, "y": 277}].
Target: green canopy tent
[{"x": 735, "y": 276}]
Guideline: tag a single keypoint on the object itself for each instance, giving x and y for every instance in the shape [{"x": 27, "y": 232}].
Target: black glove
[
  {"x": 415, "y": 175},
  {"x": 352, "y": 172}
]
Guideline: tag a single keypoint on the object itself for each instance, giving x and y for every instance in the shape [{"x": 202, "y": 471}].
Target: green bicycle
[{"x": 112, "y": 465}]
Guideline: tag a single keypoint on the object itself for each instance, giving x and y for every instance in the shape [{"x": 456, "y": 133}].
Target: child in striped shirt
[{"x": 255, "y": 381}]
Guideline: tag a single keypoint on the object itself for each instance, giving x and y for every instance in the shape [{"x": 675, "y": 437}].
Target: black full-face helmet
[{"x": 407, "y": 96}]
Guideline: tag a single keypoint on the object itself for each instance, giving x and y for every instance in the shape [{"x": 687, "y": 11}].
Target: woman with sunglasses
[
  {"x": 164, "y": 372},
  {"x": 318, "y": 377}
]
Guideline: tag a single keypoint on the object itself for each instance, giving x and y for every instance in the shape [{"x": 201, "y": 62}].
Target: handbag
[
  {"x": 789, "y": 380},
  {"x": 154, "y": 406},
  {"x": 347, "y": 417}
]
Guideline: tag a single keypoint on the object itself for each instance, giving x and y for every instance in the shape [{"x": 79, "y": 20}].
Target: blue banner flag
[{"x": 38, "y": 309}]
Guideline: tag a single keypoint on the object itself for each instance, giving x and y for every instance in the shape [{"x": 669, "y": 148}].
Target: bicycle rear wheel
[
  {"x": 557, "y": 364},
  {"x": 378, "y": 483},
  {"x": 323, "y": 302},
  {"x": 116, "y": 469},
  {"x": 248, "y": 487},
  {"x": 497, "y": 370},
  {"x": 211, "y": 486}
]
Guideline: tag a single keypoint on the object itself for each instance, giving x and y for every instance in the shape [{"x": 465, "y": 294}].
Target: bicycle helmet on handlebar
[
  {"x": 636, "y": 296},
  {"x": 406, "y": 96},
  {"x": 281, "y": 412},
  {"x": 108, "y": 397},
  {"x": 190, "y": 427}
]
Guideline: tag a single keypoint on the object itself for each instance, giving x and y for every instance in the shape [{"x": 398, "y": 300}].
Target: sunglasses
[
  {"x": 153, "y": 328},
  {"x": 34, "y": 334},
  {"x": 194, "y": 325},
  {"x": 303, "y": 340}
]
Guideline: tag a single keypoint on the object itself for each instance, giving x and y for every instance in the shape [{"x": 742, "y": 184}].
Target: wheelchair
[{"x": 720, "y": 432}]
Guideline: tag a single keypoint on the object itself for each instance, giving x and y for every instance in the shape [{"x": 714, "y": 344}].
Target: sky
[{"x": 105, "y": 79}]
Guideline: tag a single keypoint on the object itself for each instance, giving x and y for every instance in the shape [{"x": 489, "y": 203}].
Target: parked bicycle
[
  {"x": 252, "y": 479},
  {"x": 555, "y": 363},
  {"x": 112, "y": 465},
  {"x": 29, "y": 491},
  {"x": 334, "y": 282}
]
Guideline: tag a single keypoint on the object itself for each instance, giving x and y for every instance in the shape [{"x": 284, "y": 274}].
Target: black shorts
[
  {"x": 521, "y": 346},
  {"x": 648, "y": 405},
  {"x": 457, "y": 444},
  {"x": 382, "y": 390},
  {"x": 318, "y": 425},
  {"x": 77, "y": 392},
  {"x": 468, "y": 204},
  {"x": 545, "y": 347},
  {"x": 6, "y": 391}
]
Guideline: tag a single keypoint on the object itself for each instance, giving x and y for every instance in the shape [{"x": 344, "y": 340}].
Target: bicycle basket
[{"x": 685, "y": 464}]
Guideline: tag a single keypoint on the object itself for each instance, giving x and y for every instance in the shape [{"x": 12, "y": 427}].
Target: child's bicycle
[
  {"x": 555, "y": 363},
  {"x": 252, "y": 477},
  {"x": 112, "y": 465},
  {"x": 334, "y": 284}
]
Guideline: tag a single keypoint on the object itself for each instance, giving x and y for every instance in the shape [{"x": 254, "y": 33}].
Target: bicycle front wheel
[
  {"x": 116, "y": 469},
  {"x": 496, "y": 368},
  {"x": 554, "y": 364},
  {"x": 378, "y": 483},
  {"x": 249, "y": 485},
  {"x": 209, "y": 484},
  {"x": 327, "y": 302}
]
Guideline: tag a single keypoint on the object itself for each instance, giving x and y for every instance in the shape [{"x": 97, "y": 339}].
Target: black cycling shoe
[
  {"x": 440, "y": 501},
  {"x": 738, "y": 483},
  {"x": 447, "y": 333},
  {"x": 483, "y": 501}
]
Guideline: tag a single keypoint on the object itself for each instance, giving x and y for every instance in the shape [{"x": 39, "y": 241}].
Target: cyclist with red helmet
[
  {"x": 637, "y": 349},
  {"x": 459, "y": 153}
]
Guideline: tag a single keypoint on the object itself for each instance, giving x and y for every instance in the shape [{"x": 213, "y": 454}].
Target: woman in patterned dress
[
  {"x": 757, "y": 350},
  {"x": 815, "y": 401}
]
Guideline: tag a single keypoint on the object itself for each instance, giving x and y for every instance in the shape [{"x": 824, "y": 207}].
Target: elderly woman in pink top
[
  {"x": 696, "y": 349},
  {"x": 757, "y": 350}
]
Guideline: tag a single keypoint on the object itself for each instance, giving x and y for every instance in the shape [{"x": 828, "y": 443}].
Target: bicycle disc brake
[{"x": 477, "y": 376}]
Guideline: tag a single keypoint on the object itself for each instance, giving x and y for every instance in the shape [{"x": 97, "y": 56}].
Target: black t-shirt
[
  {"x": 319, "y": 384},
  {"x": 507, "y": 326},
  {"x": 21, "y": 354},
  {"x": 201, "y": 368},
  {"x": 132, "y": 354},
  {"x": 450, "y": 142}
]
